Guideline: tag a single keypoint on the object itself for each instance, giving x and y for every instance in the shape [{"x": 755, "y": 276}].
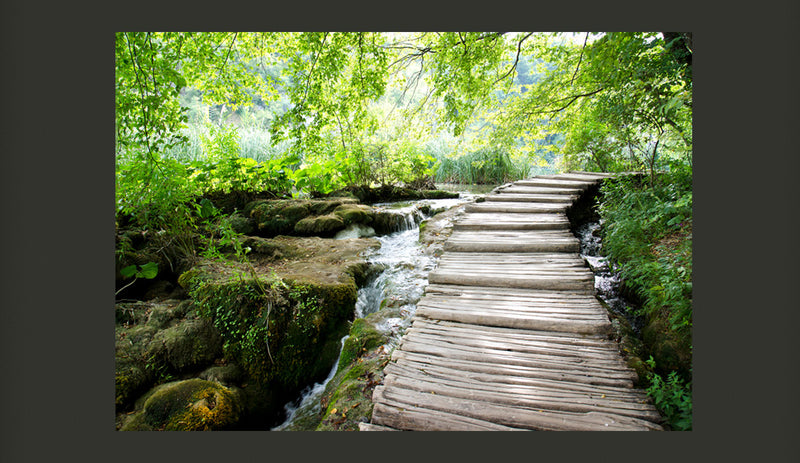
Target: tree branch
[
  {"x": 580, "y": 58},
  {"x": 571, "y": 99},
  {"x": 516, "y": 60}
]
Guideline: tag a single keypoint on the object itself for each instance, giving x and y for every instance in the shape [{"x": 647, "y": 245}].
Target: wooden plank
[
  {"x": 504, "y": 378},
  {"x": 412, "y": 418},
  {"x": 532, "y": 356},
  {"x": 519, "y": 207},
  {"x": 555, "y": 183},
  {"x": 503, "y": 368},
  {"x": 519, "y": 396},
  {"x": 522, "y": 417},
  {"x": 519, "y": 320},
  {"x": 553, "y": 337},
  {"x": 551, "y": 282},
  {"x": 478, "y": 291},
  {"x": 514, "y": 345},
  {"x": 531, "y": 197},
  {"x": 560, "y": 365},
  {"x": 525, "y": 306},
  {"x": 511, "y": 246},
  {"x": 515, "y": 189}
]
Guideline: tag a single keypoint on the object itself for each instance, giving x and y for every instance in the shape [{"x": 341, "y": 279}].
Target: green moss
[
  {"x": 284, "y": 333},
  {"x": 191, "y": 405},
  {"x": 363, "y": 337},
  {"x": 129, "y": 381},
  {"x": 354, "y": 213},
  {"x": 324, "y": 225},
  {"x": 281, "y": 217},
  {"x": 241, "y": 224},
  {"x": 188, "y": 345}
]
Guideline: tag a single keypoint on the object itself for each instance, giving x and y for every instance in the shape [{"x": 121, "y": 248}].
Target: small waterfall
[
  {"x": 606, "y": 278},
  {"x": 397, "y": 288}
]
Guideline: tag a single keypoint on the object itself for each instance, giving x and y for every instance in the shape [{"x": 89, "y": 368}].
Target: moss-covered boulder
[
  {"x": 188, "y": 345},
  {"x": 190, "y": 405},
  {"x": 241, "y": 224},
  {"x": 347, "y": 399},
  {"x": 355, "y": 213},
  {"x": 282, "y": 323},
  {"x": 157, "y": 341},
  {"x": 321, "y": 225},
  {"x": 280, "y": 217}
]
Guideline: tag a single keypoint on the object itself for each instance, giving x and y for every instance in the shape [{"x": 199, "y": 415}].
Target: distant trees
[{"x": 603, "y": 101}]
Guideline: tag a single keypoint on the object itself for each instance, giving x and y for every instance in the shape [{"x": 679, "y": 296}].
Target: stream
[
  {"x": 606, "y": 278},
  {"x": 398, "y": 286}
]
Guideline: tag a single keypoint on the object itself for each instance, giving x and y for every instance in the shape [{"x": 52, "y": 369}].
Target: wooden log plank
[
  {"x": 411, "y": 418},
  {"x": 530, "y": 197},
  {"x": 521, "y": 189},
  {"x": 582, "y": 341},
  {"x": 521, "y": 417},
  {"x": 534, "y": 354},
  {"x": 543, "y": 246},
  {"x": 504, "y": 378},
  {"x": 555, "y": 183},
  {"x": 539, "y": 282},
  {"x": 559, "y": 365},
  {"x": 434, "y": 288},
  {"x": 499, "y": 343},
  {"x": 518, "y": 207},
  {"x": 503, "y": 368},
  {"x": 514, "y": 298},
  {"x": 518, "y": 319},
  {"x": 517, "y": 396},
  {"x": 532, "y": 308}
]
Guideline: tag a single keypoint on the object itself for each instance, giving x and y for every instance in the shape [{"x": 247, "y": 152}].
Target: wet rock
[
  {"x": 280, "y": 217},
  {"x": 229, "y": 374},
  {"x": 190, "y": 405},
  {"x": 324, "y": 225},
  {"x": 157, "y": 341},
  {"x": 282, "y": 324},
  {"x": 241, "y": 224},
  {"x": 188, "y": 345}
]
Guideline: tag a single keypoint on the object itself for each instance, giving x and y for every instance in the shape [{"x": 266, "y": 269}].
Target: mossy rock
[
  {"x": 188, "y": 345},
  {"x": 355, "y": 213},
  {"x": 130, "y": 380},
  {"x": 362, "y": 337},
  {"x": 164, "y": 314},
  {"x": 280, "y": 217},
  {"x": 323, "y": 225},
  {"x": 190, "y": 405},
  {"x": 224, "y": 374},
  {"x": 241, "y": 224}
]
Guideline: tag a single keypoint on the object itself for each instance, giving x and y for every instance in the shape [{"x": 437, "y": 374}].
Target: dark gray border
[{"x": 57, "y": 185}]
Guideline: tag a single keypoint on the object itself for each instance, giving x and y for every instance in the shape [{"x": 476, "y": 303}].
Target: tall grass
[
  {"x": 483, "y": 166},
  {"x": 254, "y": 143}
]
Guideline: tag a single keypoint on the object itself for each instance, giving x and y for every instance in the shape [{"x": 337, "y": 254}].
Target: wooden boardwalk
[{"x": 509, "y": 334}]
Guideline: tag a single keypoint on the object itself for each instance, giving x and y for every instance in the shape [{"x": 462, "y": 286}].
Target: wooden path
[{"x": 509, "y": 334}]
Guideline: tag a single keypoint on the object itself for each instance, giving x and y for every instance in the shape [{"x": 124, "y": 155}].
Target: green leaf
[
  {"x": 149, "y": 270},
  {"x": 128, "y": 271}
]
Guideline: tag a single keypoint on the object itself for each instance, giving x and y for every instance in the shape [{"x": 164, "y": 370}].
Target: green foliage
[
  {"x": 148, "y": 270},
  {"x": 672, "y": 397},
  {"x": 647, "y": 233}
]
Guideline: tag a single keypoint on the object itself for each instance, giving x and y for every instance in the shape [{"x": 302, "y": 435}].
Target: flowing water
[
  {"x": 397, "y": 287},
  {"x": 606, "y": 278}
]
